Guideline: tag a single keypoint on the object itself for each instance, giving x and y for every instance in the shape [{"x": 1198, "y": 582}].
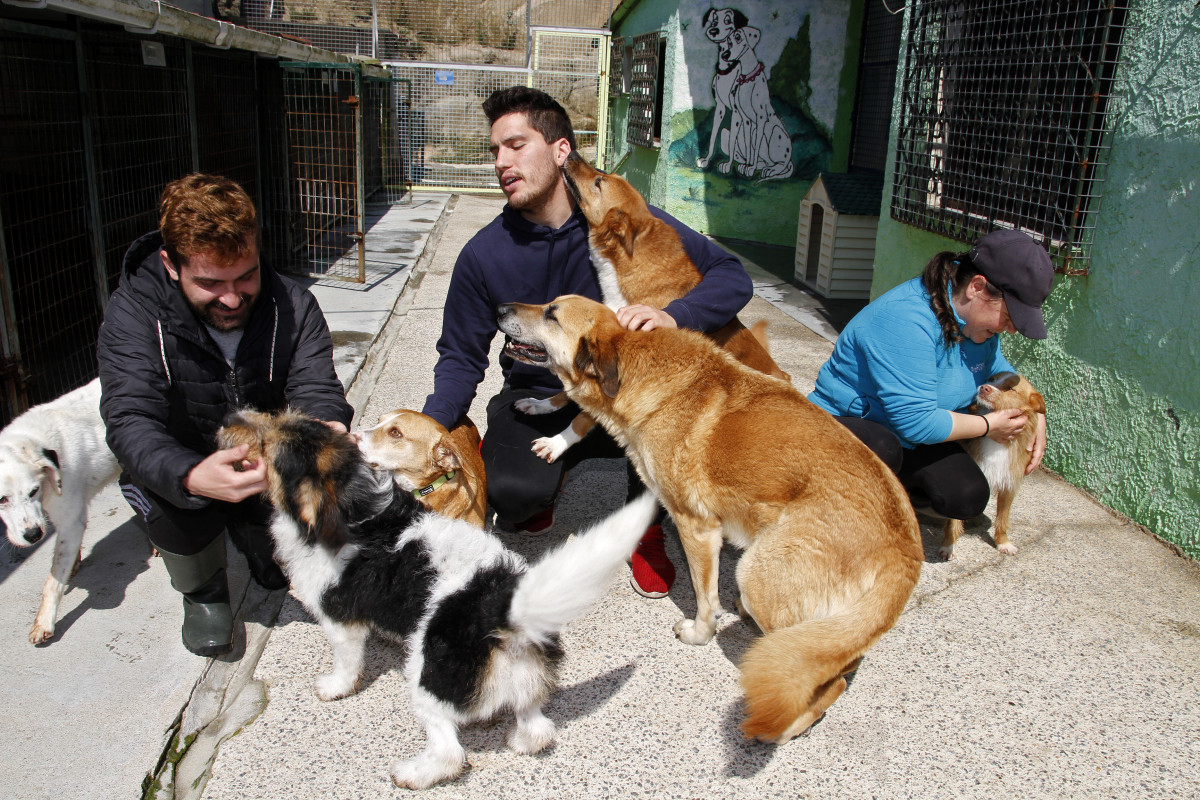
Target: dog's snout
[
  {"x": 33, "y": 535},
  {"x": 504, "y": 310}
]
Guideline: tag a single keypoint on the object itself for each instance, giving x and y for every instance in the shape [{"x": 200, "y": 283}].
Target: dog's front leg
[
  {"x": 349, "y": 643},
  {"x": 549, "y": 448},
  {"x": 1004, "y": 500},
  {"x": 66, "y": 560},
  {"x": 702, "y": 544}
]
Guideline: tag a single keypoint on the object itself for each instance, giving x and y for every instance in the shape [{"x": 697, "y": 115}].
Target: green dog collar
[{"x": 419, "y": 493}]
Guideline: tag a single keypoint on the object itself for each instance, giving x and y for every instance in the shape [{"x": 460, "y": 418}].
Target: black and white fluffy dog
[{"x": 481, "y": 626}]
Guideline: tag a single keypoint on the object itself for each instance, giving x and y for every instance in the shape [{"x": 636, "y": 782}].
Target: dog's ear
[
  {"x": 620, "y": 227},
  {"x": 597, "y": 358},
  {"x": 1037, "y": 403},
  {"x": 753, "y": 35},
  {"x": 444, "y": 456},
  {"x": 46, "y": 462},
  {"x": 317, "y": 508}
]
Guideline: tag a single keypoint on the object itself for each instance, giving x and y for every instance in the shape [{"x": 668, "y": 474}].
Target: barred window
[
  {"x": 1004, "y": 116},
  {"x": 645, "y": 89}
]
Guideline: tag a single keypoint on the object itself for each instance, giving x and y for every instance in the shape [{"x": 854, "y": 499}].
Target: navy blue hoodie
[{"x": 515, "y": 261}]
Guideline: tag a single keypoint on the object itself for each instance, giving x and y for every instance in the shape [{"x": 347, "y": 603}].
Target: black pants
[
  {"x": 519, "y": 483},
  {"x": 943, "y": 473},
  {"x": 186, "y": 532}
]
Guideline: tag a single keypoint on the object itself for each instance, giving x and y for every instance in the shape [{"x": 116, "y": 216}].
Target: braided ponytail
[{"x": 942, "y": 270}]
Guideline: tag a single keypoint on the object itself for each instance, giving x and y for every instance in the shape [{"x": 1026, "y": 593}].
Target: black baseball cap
[{"x": 1020, "y": 267}]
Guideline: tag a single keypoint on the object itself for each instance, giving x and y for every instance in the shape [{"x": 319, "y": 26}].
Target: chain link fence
[{"x": 452, "y": 54}]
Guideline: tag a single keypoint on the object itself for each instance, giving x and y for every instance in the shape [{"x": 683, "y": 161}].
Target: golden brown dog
[
  {"x": 832, "y": 545},
  {"x": 638, "y": 259},
  {"x": 443, "y": 469},
  {"x": 1003, "y": 465}
]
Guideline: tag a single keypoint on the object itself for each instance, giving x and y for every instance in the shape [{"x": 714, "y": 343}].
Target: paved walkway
[{"x": 1069, "y": 670}]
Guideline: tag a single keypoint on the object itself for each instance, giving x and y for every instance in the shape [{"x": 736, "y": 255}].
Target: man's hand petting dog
[
  {"x": 227, "y": 475},
  {"x": 644, "y": 318}
]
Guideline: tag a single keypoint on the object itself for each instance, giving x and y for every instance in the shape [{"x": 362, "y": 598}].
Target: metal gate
[{"x": 347, "y": 147}]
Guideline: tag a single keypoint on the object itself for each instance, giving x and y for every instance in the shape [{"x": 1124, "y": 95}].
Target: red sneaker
[
  {"x": 538, "y": 523},
  {"x": 653, "y": 572}
]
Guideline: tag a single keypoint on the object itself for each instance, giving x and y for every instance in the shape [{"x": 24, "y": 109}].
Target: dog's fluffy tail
[
  {"x": 791, "y": 675},
  {"x": 561, "y": 587}
]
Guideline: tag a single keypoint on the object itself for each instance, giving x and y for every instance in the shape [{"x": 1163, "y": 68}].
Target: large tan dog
[
  {"x": 639, "y": 259},
  {"x": 443, "y": 469},
  {"x": 832, "y": 546},
  {"x": 1003, "y": 465}
]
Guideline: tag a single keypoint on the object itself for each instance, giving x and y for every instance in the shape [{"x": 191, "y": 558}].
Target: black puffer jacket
[{"x": 166, "y": 387}]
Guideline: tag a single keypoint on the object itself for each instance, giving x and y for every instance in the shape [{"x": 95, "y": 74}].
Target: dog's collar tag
[{"x": 419, "y": 493}]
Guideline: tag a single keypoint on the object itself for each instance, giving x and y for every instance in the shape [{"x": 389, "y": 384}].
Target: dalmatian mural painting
[{"x": 745, "y": 126}]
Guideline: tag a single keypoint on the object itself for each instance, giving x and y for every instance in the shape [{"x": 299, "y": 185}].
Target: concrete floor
[{"x": 1069, "y": 671}]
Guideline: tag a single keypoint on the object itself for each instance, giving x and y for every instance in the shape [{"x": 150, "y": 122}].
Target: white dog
[
  {"x": 53, "y": 461},
  {"x": 757, "y": 140}
]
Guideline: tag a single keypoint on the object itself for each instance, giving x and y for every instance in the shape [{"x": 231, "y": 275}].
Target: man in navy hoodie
[{"x": 536, "y": 250}]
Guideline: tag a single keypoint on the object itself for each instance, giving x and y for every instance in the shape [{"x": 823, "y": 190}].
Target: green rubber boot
[{"x": 207, "y": 617}]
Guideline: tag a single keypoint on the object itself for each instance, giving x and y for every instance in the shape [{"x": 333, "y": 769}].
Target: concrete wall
[
  {"x": 1121, "y": 366},
  {"x": 809, "y": 71}
]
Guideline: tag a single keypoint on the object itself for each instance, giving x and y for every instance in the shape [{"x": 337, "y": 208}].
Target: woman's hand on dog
[
  {"x": 644, "y": 318},
  {"x": 227, "y": 475},
  {"x": 1004, "y": 425}
]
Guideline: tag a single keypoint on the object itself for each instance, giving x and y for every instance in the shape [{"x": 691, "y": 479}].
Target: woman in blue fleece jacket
[
  {"x": 536, "y": 250},
  {"x": 906, "y": 367}
]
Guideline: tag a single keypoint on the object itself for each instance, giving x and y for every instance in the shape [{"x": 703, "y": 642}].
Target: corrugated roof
[{"x": 854, "y": 192}]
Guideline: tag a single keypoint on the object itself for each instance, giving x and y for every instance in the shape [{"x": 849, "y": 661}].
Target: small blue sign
[{"x": 443, "y": 77}]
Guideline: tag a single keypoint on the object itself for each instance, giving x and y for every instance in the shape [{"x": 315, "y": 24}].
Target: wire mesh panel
[
  {"x": 140, "y": 125},
  {"x": 571, "y": 13},
  {"x": 52, "y": 307},
  {"x": 227, "y": 116},
  {"x": 387, "y": 140},
  {"x": 881, "y": 33},
  {"x": 449, "y": 129},
  {"x": 568, "y": 66},
  {"x": 453, "y": 54},
  {"x": 1004, "y": 116},
  {"x": 443, "y": 31},
  {"x": 324, "y": 230}
]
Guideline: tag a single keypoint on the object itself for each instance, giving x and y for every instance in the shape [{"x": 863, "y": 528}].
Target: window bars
[
  {"x": 644, "y": 102},
  {"x": 1004, "y": 114}
]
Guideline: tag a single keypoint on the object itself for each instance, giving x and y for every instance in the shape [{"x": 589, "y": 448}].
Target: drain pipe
[{"x": 152, "y": 16}]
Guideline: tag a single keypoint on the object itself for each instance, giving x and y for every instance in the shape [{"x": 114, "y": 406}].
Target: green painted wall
[
  {"x": 810, "y": 70},
  {"x": 1121, "y": 366}
]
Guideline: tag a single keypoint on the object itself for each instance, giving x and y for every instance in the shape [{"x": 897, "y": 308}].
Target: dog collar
[
  {"x": 419, "y": 493},
  {"x": 754, "y": 73}
]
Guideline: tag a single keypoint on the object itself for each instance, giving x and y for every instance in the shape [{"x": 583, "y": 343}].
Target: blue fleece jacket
[
  {"x": 891, "y": 365},
  {"x": 514, "y": 261}
]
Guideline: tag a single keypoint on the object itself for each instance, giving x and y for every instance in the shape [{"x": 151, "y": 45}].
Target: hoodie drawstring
[
  {"x": 274, "y": 335},
  {"x": 162, "y": 351}
]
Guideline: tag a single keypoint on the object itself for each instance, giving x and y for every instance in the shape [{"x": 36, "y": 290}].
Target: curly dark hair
[{"x": 544, "y": 113}]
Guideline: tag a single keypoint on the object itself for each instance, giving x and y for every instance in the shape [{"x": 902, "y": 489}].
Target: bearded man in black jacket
[{"x": 199, "y": 327}]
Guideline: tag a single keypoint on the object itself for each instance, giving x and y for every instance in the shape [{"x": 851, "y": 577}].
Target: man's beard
[{"x": 226, "y": 323}]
